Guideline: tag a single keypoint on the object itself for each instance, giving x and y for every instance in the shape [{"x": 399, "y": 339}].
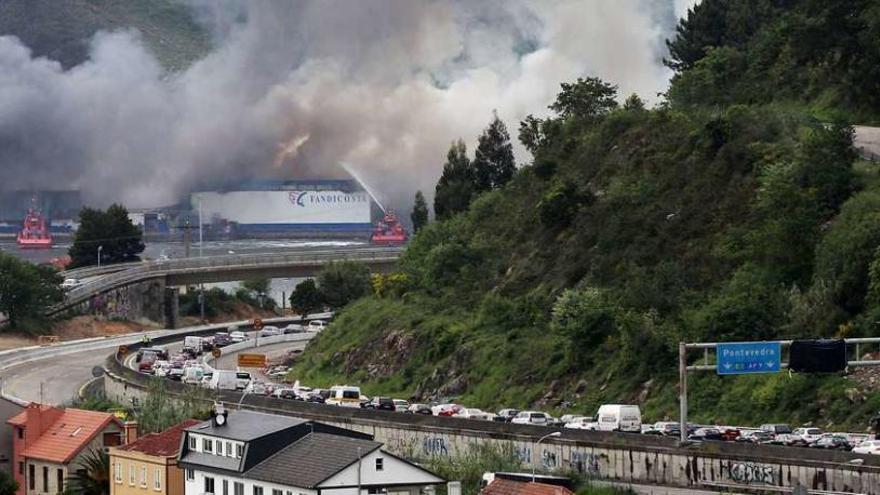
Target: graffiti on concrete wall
[
  {"x": 435, "y": 446},
  {"x": 523, "y": 453},
  {"x": 748, "y": 473},
  {"x": 585, "y": 463},
  {"x": 548, "y": 459}
]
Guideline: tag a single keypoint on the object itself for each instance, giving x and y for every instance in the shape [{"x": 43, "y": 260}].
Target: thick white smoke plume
[{"x": 293, "y": 88}]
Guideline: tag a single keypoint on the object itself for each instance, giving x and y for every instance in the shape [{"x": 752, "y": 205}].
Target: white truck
[
  {"x": 224, "y": 380},
  {"x": 620, "y": 417},
  {"x": 192, "y": 344}
]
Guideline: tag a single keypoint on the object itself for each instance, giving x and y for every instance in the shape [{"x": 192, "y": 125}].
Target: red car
[
  {"x": 146, "y": 363},
  {"x": 728, "y": 434}
]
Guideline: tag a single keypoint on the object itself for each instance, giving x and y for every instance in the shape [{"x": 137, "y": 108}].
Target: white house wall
[{"x": 395, "y": 472}]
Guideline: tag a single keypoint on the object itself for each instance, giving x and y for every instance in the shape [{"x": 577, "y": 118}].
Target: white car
[
  {"x": 70, "y": 283},
  {"x": 294, "y": 328},
  {"x": 317, "y": 325},
  {"x": 568, "y": 418},
  {"x": 401, "y": 405},
  {"x": 583, "y": 423},
  {"x": 532, "y": 418},
  {"x": 867, "y": 447},
  {"x": 238, "y": 336},
  {"x": 808, "y": 435},
  {"x": 470, "y": 413},
  {"x": 270, "y": 331},
  {"x": 161, "y": 368}
]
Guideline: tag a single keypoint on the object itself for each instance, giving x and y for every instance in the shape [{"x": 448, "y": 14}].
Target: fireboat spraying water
[
  {"x": 34, "y": 232},
  {"x": 388, "y": 231}
]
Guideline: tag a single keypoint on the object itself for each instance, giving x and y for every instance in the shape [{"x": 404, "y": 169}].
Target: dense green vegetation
[
  {"x": 26, "y": 291},
  {"x": 105, "y": 236},
  {"x": 734, "y": 210},
  {"x": 62, "y": 29}
]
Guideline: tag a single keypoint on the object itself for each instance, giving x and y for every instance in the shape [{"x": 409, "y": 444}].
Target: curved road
[{"x": 57, "y": 379}]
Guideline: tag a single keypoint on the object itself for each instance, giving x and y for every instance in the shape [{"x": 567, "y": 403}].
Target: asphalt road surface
[{"x": 57, "y": 380}]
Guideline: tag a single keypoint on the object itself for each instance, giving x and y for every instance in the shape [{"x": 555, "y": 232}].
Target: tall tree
[
  {"x": 456, "y": 187},
  {"x": 306, "y": 297},
  {"x": 26, "y": 290},
  {"x": 419, "y": 214},
  {"x": 586, "y": 99},
  {"x": 493, "y": 160},
  {"x": 8, "y": 485},
  {"x": 92, "y": 476},
  {"x": 341, "y": 282},
  {"x": 109, "y": 234}
]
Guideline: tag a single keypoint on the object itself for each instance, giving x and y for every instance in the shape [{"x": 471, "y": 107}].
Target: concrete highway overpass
[{"x": 150, "y": 279}]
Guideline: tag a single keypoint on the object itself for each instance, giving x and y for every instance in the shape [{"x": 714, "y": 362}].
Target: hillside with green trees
[
  {"x": 62, "y": 29},
  {"x": 734, "y": 210}
]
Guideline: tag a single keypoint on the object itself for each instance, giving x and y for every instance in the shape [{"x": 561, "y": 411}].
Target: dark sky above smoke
[{"x": 293, "y": 88}]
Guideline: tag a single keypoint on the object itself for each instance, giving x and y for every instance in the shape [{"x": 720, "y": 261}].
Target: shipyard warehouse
[{"x": 277, "y": 209}]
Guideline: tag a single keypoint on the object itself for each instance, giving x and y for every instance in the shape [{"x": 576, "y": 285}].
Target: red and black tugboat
[
  {"x": 388, "y": 231},
  {"x": 34, "y": 232}
]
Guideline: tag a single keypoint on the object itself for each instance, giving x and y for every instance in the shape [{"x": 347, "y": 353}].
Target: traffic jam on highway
[{"x": 190, "y": 366}]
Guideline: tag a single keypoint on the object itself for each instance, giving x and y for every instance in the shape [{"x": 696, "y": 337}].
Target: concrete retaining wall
[{"x": 612, "y": 456}]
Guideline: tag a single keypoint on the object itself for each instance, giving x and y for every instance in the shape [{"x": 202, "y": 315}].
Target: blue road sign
[{"x": 741, "y": 358}]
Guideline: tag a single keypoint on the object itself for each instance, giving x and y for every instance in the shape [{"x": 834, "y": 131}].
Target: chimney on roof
[{"x": 129, "y": 431}]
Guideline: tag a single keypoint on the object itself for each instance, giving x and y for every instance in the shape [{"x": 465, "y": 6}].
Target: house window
[
  {"x": 207, "y": 445},
  {"x": 143, "y": 476},
  {"x": 239, "y": 450},
  {"x": 190, "y": 475},
  {"x": 20, "y": 433},
  {"x": 276, "y": 491},
  {"x": 45, "y": 479},
  {"x": 117, "y": 472},
  {"x": 380, "y": 464},
  {"x": 229, "y": 449},
  {"x": 32, "y": 477},
  {"x": 131, "y": 474},
  {"x": 237, "y": 488},
  {"x": 21, "y": 468},
  {"x": 225, "y": 487},
  {"x": 59, "y": 481},
  {"x": 192, "y": 443},
  {"x": 219, "y": 448},
  {"x": 258, "y": 490},
  {"x": 209, "y": 484},
  {"x": 112, "y": 439},
  {"x": 157, "y": 479}
]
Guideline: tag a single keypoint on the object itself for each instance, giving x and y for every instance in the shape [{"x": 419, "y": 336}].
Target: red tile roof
[
  {"x": 67, "y": 435},
  {"x": 510, "y": 487},
  {"x": 164, "y": 444}
]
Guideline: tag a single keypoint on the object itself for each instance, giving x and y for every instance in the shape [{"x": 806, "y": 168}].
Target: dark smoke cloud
[{"x": 384, "y": 85}]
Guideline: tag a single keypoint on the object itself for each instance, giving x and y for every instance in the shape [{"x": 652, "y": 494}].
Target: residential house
[
  {"x": 49, "y": 442},
  {"x": 525, "y": 484},
  {"x": 510, "y": 487},
  {"x": 249, "y": 453},
  {"x": 148, "y": 465}
]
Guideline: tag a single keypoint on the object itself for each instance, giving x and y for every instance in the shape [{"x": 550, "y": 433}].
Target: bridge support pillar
[{"x": 172, "y": 307}]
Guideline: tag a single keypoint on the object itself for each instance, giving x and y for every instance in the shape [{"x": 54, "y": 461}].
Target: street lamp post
[
  {"x": 100, "y": 248},
  {"x": 545, "y": 437}
]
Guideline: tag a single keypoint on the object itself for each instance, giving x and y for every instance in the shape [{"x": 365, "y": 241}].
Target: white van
[
  {"x": 345, "y": 396},
  {"x": 619, "y": 417},
  {"x": 317, "y": 325},
  {"x": 243, "y": 378},
  {"x": 192, "y": 375},
  {"x": 224, "y": 380}
]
